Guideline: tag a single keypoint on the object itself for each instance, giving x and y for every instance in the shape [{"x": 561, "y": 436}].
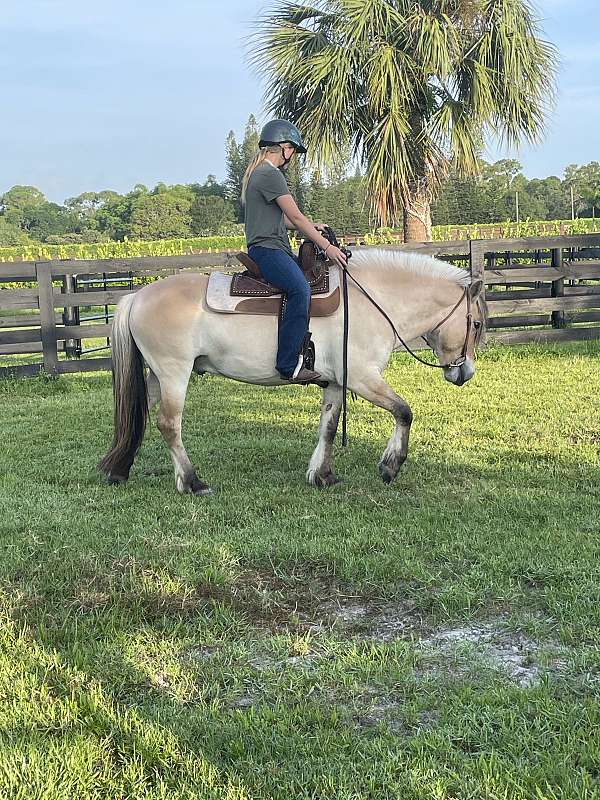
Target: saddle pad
[
  {"x": 246, "y": 285},
  {"x": 219, "y": 298}
]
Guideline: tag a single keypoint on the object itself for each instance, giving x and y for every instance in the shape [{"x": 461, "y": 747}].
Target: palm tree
[{"x": 412, "y": 86}]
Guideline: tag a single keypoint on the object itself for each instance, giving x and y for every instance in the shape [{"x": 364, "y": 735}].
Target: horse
[{"x": 391, "y": 294}]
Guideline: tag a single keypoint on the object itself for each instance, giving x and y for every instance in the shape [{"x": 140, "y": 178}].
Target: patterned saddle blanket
[{"x": 243, "y": 293}]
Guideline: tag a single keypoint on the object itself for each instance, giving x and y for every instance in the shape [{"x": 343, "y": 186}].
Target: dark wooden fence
[{"x": 539, "y": 289}]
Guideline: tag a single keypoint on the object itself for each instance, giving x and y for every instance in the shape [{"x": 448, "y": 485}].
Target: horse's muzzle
[{"x": 461, "y": 374}]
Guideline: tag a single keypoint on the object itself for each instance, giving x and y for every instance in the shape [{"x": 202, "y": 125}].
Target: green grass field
[{"x": 438, "y": 638}]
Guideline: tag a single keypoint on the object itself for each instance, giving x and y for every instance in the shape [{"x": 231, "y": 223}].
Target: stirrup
[{"x": 308, "y": 352}]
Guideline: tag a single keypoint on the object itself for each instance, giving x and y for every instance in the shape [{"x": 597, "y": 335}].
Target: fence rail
[{"x": 538, "y": 289}]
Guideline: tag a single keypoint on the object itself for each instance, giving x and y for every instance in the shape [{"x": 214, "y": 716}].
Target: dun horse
[{"x": 168, "y": 325}]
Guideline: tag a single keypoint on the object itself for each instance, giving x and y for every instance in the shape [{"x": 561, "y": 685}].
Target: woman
[{"x": 270, "y": 210}]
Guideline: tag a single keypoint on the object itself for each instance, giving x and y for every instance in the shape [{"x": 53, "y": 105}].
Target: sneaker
[
  {"x": 305, "y": 376},
  {"x": 299, "y": 365}
]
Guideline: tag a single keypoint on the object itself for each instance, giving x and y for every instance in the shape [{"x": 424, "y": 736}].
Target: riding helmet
[{"x": 280, "y": 130}]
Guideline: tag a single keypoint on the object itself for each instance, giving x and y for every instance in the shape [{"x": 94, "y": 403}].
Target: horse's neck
[{"x": 413, "y": 303}]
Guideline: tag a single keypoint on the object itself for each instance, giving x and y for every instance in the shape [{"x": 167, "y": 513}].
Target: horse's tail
[{"x": 130, "y": 396}]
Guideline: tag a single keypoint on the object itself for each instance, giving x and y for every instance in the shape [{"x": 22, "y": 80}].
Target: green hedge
[
  {"x": 125, "y": 249},
  {"x": 178, "y": 247}
]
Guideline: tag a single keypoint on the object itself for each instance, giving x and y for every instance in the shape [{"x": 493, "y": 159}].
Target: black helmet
[{"x": 280, "y": 130}]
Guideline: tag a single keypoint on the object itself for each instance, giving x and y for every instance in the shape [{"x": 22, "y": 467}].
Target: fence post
[
  {"x": 43, "y": 273},
  {"x": 477, "y": 261},
  {"x": 558, "y": 288},
  {"x": 70, "y": 315}
]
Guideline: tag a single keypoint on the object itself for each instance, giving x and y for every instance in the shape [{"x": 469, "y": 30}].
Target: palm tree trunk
[{"x": 417, "y": 214}]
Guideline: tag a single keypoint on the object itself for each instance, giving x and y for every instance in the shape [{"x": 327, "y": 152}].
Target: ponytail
[{"x": 259, "y": 157}]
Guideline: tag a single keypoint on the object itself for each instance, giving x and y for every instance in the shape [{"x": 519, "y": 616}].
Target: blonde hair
[{"x": 259, "y": 157}]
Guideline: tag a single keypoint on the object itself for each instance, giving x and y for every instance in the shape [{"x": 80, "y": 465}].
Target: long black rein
[
  {"x": 460, "y": 360},
  {"x": 331, "y": 237}
]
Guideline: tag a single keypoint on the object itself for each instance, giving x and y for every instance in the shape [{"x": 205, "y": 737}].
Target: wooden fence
[{"x": 539, "y": 289}]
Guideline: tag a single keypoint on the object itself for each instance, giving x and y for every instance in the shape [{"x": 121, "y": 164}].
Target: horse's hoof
[
  {"x": 200, "y": 489},
  {"x": 205, "y": 492},
  {"x": 116, "y": 480},
  {"x": 386, "y": 472},
  {"x": 328, "y": 479}
]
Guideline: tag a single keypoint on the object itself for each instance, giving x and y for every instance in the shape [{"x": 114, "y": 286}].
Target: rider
[{"x": 270, "y": 209}]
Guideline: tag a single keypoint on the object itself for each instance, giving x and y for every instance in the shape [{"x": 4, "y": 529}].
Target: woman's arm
[
  {"x": 318, "y": 225},
  {"x": 293, "y": 215}
]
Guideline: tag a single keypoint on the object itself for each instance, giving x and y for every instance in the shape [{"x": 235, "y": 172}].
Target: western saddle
[
  {"x": 252, "y": 284},
  {"x": 249, "y": 293}
]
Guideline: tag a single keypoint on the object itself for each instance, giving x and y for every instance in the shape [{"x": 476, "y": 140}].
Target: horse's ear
[{"x": 475, "y": 289}]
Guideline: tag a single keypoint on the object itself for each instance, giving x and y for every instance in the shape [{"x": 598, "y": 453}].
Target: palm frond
[
  {"x": 510, "y": 73},
  {"x": 408, "y": 85},
  {"x": 389, "y": 162}
]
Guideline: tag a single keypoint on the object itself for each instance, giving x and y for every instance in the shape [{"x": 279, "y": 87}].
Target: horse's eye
[{"x": 477, "y": 325}]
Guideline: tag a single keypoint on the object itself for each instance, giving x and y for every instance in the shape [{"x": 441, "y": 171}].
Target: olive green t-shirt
[{"x": 264, "y": 219}]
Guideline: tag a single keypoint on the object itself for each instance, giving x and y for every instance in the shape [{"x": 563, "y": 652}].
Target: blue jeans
[{"x": 280, "y": 269}]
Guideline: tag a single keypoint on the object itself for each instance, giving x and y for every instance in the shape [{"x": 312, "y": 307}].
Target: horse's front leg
[
  {"x": 319, "y": 472},
  {"x": 377, "y": 391}
]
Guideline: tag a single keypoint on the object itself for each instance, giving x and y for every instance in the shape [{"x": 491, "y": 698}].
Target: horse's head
[{"x": 456, "y": 337}]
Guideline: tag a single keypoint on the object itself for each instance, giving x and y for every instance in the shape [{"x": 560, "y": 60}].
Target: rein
[
  {"x": 331, "y": 237},
  {"x": 463, "y": 356}
]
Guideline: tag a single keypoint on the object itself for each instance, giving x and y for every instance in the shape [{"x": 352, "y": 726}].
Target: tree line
[
  {"x": 333, "y": 196},
  {"x": 501, "y": 192}
]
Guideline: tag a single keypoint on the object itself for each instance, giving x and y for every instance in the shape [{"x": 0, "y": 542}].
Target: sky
[{"x": 110, "y": 94}]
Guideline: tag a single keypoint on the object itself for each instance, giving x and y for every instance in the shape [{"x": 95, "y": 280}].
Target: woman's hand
[
  {"x": 336, "y": 256},
  {"x": 320, "y": 226},
  {"x": 313, "y": 232}
]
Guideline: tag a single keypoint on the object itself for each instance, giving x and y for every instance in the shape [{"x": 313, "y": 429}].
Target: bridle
[
  {"x": 469, "y": 324},
  {"x": 463, "y": 356}
]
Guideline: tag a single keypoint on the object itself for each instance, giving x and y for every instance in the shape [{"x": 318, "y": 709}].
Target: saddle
[
  {"x": 308, "y": 261},
  {"x": 249, "y": 293}
]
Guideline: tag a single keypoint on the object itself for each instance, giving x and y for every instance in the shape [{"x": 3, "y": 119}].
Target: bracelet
[{"x": 326, "y": 249}]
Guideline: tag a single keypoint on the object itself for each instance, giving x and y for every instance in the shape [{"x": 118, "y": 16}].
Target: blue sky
[{"x": 106, "y": 95}]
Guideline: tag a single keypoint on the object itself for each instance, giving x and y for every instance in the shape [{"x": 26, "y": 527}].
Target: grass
[{"x": 438, "y": 638}]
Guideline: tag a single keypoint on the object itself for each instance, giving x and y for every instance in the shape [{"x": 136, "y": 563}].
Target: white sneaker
[{"x": 299, "y": 366}]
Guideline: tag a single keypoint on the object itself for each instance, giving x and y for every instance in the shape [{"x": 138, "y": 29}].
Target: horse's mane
[{"x": 416, "y": 263}]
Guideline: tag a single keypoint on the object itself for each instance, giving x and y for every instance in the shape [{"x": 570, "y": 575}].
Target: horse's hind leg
[
  {"x": 173, "y": 388},
  {"x": 377, "y": 391},
  {"x": 319, "y": 472},
  {"x": 153, "y": 390}
]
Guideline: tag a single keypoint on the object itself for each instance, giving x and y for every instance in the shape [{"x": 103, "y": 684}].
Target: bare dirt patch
[
  {"x": 491, "y": 644},
  {"x": 458, "y": 650},
  {"x": 319, "y": 605},
  {"x": 266, "y": 663},
  {"x": 368, "y": 619},
  {"x": 200, "y": 653},
  {"x": 243, "y": 703},
  {"x": 374, "y": 707}
]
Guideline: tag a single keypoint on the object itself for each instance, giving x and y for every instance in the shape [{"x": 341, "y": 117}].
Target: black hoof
[
  {"x": 200, "y": 489},
  {"x": 329, "y": 479},
  {"x": 116, "y": 480},
  {"x": 386, "y": 472}
]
